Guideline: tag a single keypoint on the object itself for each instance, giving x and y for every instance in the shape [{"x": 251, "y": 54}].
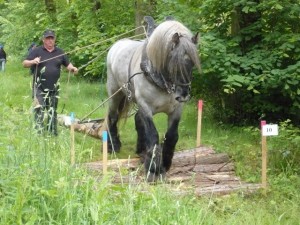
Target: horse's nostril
[{"x": 182, "y": 99}]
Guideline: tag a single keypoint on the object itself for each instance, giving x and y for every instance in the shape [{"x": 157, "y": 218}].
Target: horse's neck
[{"x": 157, "y": 77}]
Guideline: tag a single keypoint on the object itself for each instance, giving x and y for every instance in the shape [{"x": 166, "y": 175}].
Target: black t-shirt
[
  {"x": 48, "y": 72},
  {"x": 2, "y": 54}
]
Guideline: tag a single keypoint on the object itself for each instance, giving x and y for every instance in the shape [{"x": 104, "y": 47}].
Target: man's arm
[{"x": 28, "y": 63}]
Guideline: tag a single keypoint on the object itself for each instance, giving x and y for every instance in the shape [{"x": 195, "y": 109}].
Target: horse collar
[{"x": 156, "y": 77}]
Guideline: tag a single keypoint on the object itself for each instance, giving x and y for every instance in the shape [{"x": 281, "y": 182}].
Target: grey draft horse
[{"x": 156, "y": 75}]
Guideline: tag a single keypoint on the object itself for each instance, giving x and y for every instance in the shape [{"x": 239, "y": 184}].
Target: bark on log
[
  {"x": 187, "y": 160},
  {"x": 199, "y": 170}
]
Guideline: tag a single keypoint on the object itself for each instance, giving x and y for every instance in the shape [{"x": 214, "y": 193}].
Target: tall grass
[{"x": 38, "y": 185}]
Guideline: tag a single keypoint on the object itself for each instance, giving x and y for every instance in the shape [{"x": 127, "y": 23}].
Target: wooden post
[
  {"x": 72, "y": 134},
  {"x": 104, "y": 161},
  {"x": 264, "y": 158},
  {"x": 200, "y": 105}
]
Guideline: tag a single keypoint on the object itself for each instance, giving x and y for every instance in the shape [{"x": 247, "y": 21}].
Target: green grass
[{"x": 39, "y": 186}]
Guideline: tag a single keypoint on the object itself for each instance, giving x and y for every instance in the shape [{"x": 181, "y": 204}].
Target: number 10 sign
[
  {"x": 266, "y": 130},
  {"x": 270, "y": 130}
]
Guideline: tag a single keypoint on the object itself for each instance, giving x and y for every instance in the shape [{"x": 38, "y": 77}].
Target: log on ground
[
  {"x": 93, "y": 128},
  {"x": 200, "y": 170}
]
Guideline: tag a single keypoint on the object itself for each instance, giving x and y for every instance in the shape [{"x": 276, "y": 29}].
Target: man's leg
[
  {"x": 39, "y": 110},
  {"x": 1, "y": 64},
  {"x": 52, "y": 116}
]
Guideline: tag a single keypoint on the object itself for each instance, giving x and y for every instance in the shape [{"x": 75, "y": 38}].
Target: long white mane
[{"x": 160, "y": 44}]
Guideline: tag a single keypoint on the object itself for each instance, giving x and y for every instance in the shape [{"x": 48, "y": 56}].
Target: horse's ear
[
  {"x": 150, "y": 25},
  {"x": 175, "y": 38},
  {"x": 195, "y": 38}
]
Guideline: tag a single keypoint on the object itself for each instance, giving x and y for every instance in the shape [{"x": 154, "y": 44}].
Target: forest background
[{"x": 249, "y": 49}]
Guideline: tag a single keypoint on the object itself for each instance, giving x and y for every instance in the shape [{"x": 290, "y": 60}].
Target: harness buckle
[{"x": 127, "y": 90}]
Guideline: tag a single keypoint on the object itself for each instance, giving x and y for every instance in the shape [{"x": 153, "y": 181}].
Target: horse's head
[
  {"x": 182, "y": 58},
  {"x": 172, "y": 50}
]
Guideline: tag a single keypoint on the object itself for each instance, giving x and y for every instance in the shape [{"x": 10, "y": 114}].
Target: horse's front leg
[
  {"x": 147, "y": 145},
  {"x": 171, "y": 138}
]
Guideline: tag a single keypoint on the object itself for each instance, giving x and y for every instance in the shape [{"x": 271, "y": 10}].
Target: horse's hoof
[
  {"x": 110, "y": 151},
  {"x": 114, "y": 149},
  {"x": 155, "y": 178},
  {"x": 142, "y": 157}
]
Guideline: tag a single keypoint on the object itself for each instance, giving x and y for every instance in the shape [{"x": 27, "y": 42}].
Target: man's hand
[
  {"x": 36, "y": 60},
  {"x": 28, "y": 63},
  {"x": 74, "y": 70}
]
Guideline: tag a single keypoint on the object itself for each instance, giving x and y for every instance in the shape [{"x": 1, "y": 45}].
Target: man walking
[
  {"x": 47, "y": 60},
  {"x": 2, "y": 58}
]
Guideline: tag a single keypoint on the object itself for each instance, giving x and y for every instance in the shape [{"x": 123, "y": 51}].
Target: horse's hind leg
[{"x": 114, "y": 143}]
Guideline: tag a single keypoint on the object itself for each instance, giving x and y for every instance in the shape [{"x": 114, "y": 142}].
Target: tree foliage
[
  {"x": 249, "y": 49},
  {"x": 250, "y": 54}
]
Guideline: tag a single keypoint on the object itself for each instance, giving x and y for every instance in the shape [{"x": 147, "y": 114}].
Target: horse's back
[{"x": 118, "y": 62}]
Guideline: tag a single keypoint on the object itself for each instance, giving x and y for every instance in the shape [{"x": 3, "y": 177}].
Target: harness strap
[{"x": 156, "y": 78}]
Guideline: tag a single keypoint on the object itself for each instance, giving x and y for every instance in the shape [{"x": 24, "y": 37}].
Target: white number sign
[{"x": 270, "y": 130}]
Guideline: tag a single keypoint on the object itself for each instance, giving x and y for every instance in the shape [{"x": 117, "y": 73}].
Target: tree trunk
[
  {"x": 51, "y": 10},
  {"x": 242, "y": 21},
  {"x": 235, "y": 19},
  {"x": 50, "y": 6},
  {"x": 143, "y": 8}
]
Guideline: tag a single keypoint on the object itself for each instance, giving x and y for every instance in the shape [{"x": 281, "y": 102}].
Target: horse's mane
[{"x": 160, "y": 44}]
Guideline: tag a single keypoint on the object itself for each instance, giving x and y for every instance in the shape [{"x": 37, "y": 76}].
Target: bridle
[{"x": 158, "y": 78}]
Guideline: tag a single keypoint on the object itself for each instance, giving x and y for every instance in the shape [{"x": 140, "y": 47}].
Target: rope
[
  {"x": 67, "y": 92},
  {"x": 103, "y": 53},
  {"x": 120, "y": 87},
  {"x": 102, "y": 104},
  {"x": 97, "y": 43},
  {"x": 94, "y": 59}
]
